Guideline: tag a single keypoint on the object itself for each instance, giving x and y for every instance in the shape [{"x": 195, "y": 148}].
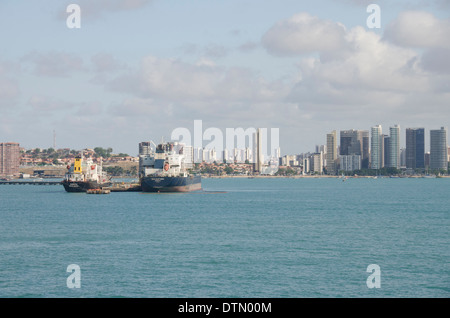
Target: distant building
[
  {"x": 288, "y": 160},
  {"x": 205, "y": 155},
  {"x": 306, "y": 165},
  {"x": 198, "y": 154},
  {"x": 258, "y": 158},
  {"x": 377, "y": 156},
  {"x": 321, "y": 148},
  {"x": 393, "y": 158},
  {"x": 212, "y": 155},
  {"x": 188, "y": 152},
  {"x": 350, "y": 162},
  {"x": 427, "y": 160},
  {"x": 415, "y": 148},
  {"x": 248, "y": 154},
  {"x": 225, "y": 155},
  {"x": 386, "y": 149},
  {"x": 403, "y": 157},
  {"x": 271, "y": 168},
  {"x": 9, "y": 158},
  {"x": 438, "y": 149},
  {"x": 277, "y": 153},
  {"x": 356, "y": 142},
  {"x": 317, "y": 163},
  {"x": 331, "y": 153}
]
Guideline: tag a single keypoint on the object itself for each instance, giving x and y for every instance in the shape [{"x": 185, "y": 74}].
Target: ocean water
[{"x": 277, "y": 238}]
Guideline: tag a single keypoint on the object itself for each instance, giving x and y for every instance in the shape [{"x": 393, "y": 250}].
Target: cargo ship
[
  {"x": 84, "y": 175},
  {"x": 166, "y": 170}
]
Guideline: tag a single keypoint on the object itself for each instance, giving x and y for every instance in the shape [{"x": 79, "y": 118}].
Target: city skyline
[
  {"x": 350, "y": 141},
  {"x": 136, "y": 70}
]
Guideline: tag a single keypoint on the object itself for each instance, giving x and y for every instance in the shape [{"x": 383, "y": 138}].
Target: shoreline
[
  {"x": 319, "y": 176},
  {"x": 267, "y": 177}
]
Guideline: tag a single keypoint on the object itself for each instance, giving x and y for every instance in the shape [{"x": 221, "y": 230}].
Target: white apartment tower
[{"x": 377, "y": 155}]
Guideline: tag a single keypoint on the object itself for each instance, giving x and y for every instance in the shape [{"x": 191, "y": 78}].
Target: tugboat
[
  {"x": 165, "y": 170},
  {"x": 85, "y": 175}
]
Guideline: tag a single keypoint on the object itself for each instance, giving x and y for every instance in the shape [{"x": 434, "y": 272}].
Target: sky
[{"x": 138, "y": 69}]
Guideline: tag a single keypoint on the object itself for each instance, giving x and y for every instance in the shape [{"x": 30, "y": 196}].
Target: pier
[
  {"x": 40, "y": 182},
  {"x": 115, "y": 187},
  {"x": 124, "y": 187}
]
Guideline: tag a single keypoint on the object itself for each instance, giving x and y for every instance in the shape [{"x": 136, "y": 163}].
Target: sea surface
[{"x": 277, "y": 238}]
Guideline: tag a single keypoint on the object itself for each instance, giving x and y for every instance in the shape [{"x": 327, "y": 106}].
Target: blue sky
[{"x": 137, "y": 69}]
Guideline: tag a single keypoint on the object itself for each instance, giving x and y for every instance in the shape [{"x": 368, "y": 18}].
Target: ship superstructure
[
  {"x": 85, "y": 174},
  {"x": 164, "y": 170}
]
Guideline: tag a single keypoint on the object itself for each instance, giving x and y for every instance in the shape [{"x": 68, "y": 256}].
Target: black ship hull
[
  {"x": 83, "y": 186},
  {"x": 171, "y": 184}
]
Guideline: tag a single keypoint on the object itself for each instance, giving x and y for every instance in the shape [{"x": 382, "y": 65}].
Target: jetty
[
  {"x": 124, "y": 187},
  {"x": 35, "y": 182},
  {"x": 115, "y": 187}
]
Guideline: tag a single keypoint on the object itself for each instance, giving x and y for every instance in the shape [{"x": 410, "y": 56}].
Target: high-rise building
[
  {"x": 277, "y": 153},
  {"x": 198, "y": 154},
  {"x": 350, "y": 162},
  {"x": 212, "y": 155},
  {"x": 386, "y": 149},
  {"x": 365, "y": 160},
  {"x": 257, "y": 144},
  {"x": 321, "y": 148},
  {"x": 331, "y": 153},
  {"x": 403, "y": 157},
  {"x": 427, "y": 160},
  {"x": 188, "y": 152},
  {"x": 9, "y": 158},
  {"x": 394, "y": 148},
  {"x": 225, "y": 155},
  {"x": 355, "y": 142},
  {"x": 306, "y": 165},
  {"x": 317, "y": 163},
  {"x": 415, "y": 148},
  {"x": 438, "y": 149},
  {"x": 376, "y": 153},
  {"x": 248, "y": 154}
]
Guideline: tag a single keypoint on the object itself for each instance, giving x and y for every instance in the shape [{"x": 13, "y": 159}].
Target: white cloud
[
  {"x": 418, "y": 29},
  {"x": 369, "y": 64},
  {"x": 369, "y": 80},
  {"x": 176, "y": 80},
  {"x": 54, "y": 64},
  {"x": 303, "y": 33},
  {"x": 362, "y": 79}
]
